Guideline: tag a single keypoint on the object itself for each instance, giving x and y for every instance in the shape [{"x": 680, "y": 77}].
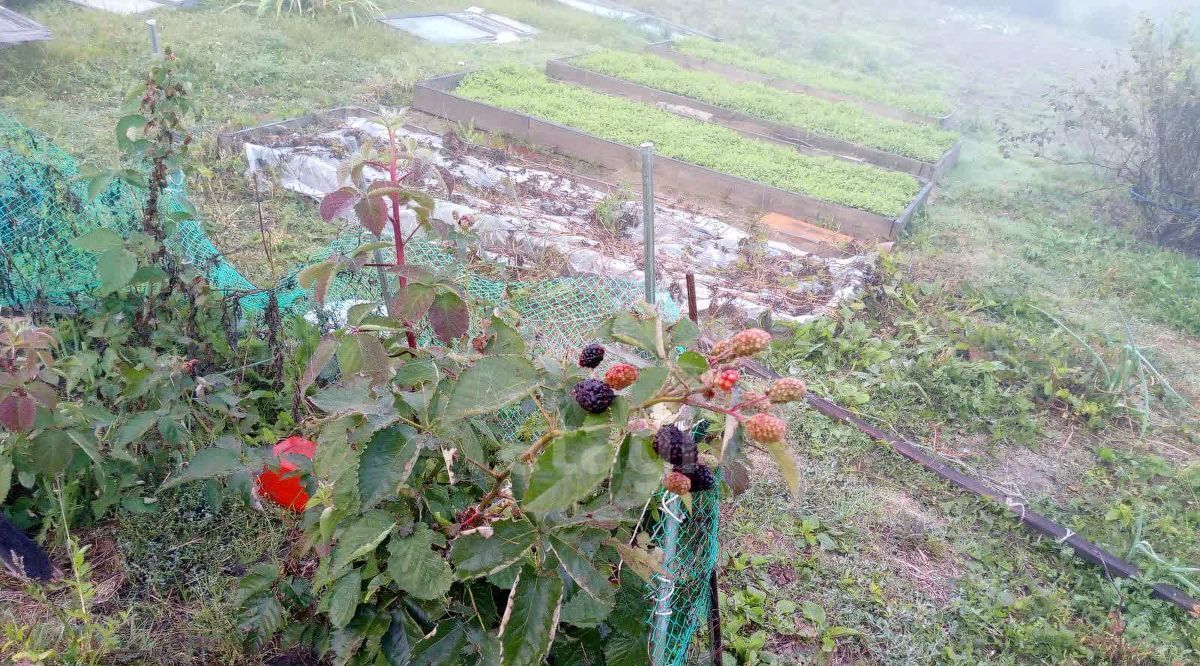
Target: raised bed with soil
[
  {"x": 695, "y": 159},
  {"x": 870, "y": 94},
  {"x": 543, "y": 220},
  {"x": 809, "y": 124}
]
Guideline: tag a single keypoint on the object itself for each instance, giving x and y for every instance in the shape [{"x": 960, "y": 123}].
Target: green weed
[
  {"x": 835, "y": 119},
  {"x": 817, "y": 76},
  {"x": 529, "y": 91}
]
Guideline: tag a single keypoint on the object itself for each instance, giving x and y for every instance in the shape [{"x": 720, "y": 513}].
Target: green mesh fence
[
  {"x": 679, "y": 597},
  {"x": 44, "y": 205}
]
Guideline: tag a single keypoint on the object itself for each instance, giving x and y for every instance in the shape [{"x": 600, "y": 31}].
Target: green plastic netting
[
  {"x": 679, "y": 597},
  {"x": 43, "y": 206}
]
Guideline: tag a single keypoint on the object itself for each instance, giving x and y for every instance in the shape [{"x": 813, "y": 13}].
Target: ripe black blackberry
[
  {"x": 700, "y": 476},
  {"x": 591, "y": 356},
  {"x": 674, "y": 446},
  {"x": 593, "y": 395}
]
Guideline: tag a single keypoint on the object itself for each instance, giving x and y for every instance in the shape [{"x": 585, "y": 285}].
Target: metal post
[
  {"x": 664, "y": 593},
  {"x": 648, "y": 217},
  {"x": 152, "y": 27}
]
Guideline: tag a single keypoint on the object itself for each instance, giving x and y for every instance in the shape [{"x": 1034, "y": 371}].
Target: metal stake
[
  {"x": 152, "y": 27},
  {"x": 648, "y": 217}
]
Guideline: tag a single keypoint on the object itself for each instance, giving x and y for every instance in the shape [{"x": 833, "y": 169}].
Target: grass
[
  {"x": 950, "y": 349},
  {"x": 818, "y": 76},
  {"x": 529, "y": 91},
  {"x": 835, "y": 119}
]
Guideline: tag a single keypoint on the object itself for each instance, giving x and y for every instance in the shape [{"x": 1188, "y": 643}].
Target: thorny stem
[
  {"x": 397, "y": 234},
  {"x": 500, "y": 477}
]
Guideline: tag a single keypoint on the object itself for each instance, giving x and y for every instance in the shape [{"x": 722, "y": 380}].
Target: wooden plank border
[{"x": 436, "y": 97}]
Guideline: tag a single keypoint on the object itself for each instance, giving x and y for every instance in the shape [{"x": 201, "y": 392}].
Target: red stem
[
  {"x": 397, "y": 235},
  {"x": 715, "y": 408}
]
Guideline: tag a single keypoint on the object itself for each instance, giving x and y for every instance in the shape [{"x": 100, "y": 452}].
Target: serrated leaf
[
  {"x": 372, "y": 213},
  {"x": 531, "y": 618},
  {"x": 208, "y": 463},
  {"x": 375, "y": 358},
  {"x": 18, "y": 413},
  {"x": 504, "y": 339},
  {"x": 474, "y": 555},
  {"x": 631, "y": 330},
  {"x": 361, "y": 537},
  {"x": 781, "y": 453},
  {"x": 625, "y": 650},
  {"x": 649, "y": 382},
  {"x": 262, "y": 615},
  {"x": 124, "y": 125},
  {"x": 493, "y": 382},
  {"x": 317, "y": 362},
  {"x": 51, "y": 452},
  {"x": 344, "y": 597},
  {"x": 449, "y": 316},
  {"x": 349, "y": 356},
  {"x": 582, "y": 610},
  {"x": 386, "y": 463},
  {"x": 395, "y": 647},
  {"x": 568, "y": 470},
  {"x": 580, "y": 569},
  {"x": 692, "y": 363},
  {"x": 259, "y": 579},
  {"x": 642, "y": 562},
  {"x": 146, "y": 274},
  {"x": 412, "y": 302},
  {"x": 317, "y": 278},
  {"x": 115, "y": 268},
  {"x": 637, "y": 472},
  {"x": 99, "y": 240},
  {"x": 442, "y": 647},
  {"x": 336, "y": 203},
  {"x": 684, "y": 332},
  {"x": 416, "y": 568},
  {"x": 99, "y": 183}
]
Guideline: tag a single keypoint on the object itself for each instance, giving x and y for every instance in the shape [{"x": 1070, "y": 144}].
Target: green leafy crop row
[
  {"x": 817, "y": 76},
  {"x": 526, "y": 90},
  {"x": 835, "y": 119}
]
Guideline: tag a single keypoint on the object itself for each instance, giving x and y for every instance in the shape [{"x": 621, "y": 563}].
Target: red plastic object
[{"x": 283, "y": 485}]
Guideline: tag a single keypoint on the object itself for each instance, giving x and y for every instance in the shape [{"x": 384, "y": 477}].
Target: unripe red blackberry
[
  {"x": 787, "y": 389},
  {"x": 674, "y": 445},
  {"x": 750, "y": 342},
  {"x": 700, "y": 476},
  {"x": 593, "y": 395},
  {"x": 677, "y": 482},
  {"x": 765, "y": 428},
  {"x": 720, "y": 351},
  {"x": 591, "y": 356},
  {"x": 726, "y": 379},
  {"x": 754, "y": 402},
  {"x": 621, "y": 376}
]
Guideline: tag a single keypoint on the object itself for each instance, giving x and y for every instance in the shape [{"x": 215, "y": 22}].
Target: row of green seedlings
[
  {"x": 527, "y": 90},
  {"x": 838, "y": 120},
  {"x": 816, "y": 75}
]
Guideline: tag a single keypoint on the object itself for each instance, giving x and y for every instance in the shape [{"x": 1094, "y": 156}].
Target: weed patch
[
  {"x": 836, "y": 119},
  {"x": 529, "y": 91},
  {"x": 817, "y": 76}
]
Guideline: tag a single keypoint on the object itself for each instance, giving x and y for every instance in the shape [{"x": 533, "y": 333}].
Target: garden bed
[
  {"x": 441, "y": 97},
  {"x": 809, "y": 124},
  {"x": 542, "y": 220},
  {"x": 741, "y": 65}
]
